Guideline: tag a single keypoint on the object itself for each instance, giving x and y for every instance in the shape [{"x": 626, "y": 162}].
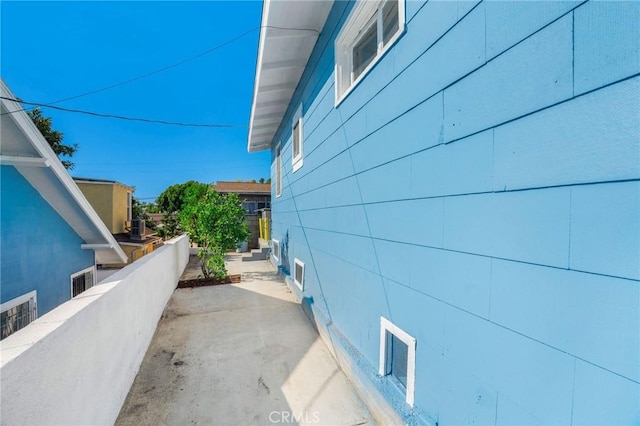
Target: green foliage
[
  {"x": 215, "y": 222},
  {"x": 53, "y": 137},
  {"x": 170, "y": 226},
  {"x": 172, "y": 198},
  {"x": 138, "y": 211}
]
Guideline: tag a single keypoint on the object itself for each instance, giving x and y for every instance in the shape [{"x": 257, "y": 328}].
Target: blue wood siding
[
  {"x": 40, "y": 251},
  {"x": 480, "y": 188}
]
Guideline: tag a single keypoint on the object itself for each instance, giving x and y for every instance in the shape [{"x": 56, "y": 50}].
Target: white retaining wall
[{"x": 75, "y": 364}]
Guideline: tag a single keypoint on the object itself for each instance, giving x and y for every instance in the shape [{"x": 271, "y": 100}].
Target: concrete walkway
[{"x": 240, "y": 354}]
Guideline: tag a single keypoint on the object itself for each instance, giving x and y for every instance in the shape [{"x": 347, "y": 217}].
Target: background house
[
  {"x": 51, "y": 237},
  {"x": 455, "y": 198},
  {"x": 114, "y": 203},
  {"x": 255, "y": 197},
  {"x": 112, "y": 200}
]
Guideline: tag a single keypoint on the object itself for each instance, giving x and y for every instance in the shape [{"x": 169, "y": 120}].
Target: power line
[
  {"x": 184, "y": 61},
  {"x": 140, "y": 77},
  {"x": 121, "y": 117}
]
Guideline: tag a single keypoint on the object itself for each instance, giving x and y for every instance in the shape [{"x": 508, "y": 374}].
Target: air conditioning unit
[{"x": 138, "y": 229}]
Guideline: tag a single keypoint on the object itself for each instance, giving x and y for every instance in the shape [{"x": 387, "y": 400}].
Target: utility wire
[
  {"x": 120, "y": 117},
  {"x": 184, "y": 61},
  {"x": 140, "y": 77}
]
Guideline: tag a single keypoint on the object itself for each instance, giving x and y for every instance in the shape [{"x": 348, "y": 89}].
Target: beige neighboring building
[{"x": 113, "y": 201}]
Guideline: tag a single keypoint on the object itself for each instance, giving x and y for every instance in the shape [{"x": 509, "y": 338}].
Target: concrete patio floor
[{"x": 240, "y": 354}]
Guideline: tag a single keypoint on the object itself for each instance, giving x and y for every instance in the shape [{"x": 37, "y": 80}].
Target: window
[
  {"x": 278, "y": 171},
  {"x": 298, "y": 273},
  {"x": 371, "y": 29},
  {"x": 129, "y": 202},
  {"x": 398, "y": 357},
  {"x": 276, "y": 250},
  {"x": 297, "y": 140},
  {"x": 82, "y": 281},
  {"x": 18, "y": 313}
]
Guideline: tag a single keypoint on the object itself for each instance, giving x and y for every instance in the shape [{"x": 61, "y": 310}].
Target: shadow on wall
[{"x": 284, "y": 254}]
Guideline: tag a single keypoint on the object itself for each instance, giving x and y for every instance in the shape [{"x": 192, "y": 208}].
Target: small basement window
[
  {"x": 81, "y": 281},
  {"x": 276, "y": 250},
  {"x": 18, "y": 313},
  {"x": 297, "y": 140},
  {"x": 398, "y": 357},
  {"x": 371, "y": 29},
  {"x": 298, "y": 276}
]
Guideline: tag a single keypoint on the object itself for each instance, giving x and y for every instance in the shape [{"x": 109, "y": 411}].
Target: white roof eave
[
  {"x": 55, "y": 185},
  {"x": 289, "y": 31}
]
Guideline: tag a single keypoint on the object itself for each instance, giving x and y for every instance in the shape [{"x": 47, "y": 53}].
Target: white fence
[{"x": 75, "y": 364}]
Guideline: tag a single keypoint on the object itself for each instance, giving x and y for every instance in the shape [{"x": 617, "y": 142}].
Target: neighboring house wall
[
  {"x": 480, "y": 189},
  {"x": 39, "y": 249},
  {"x": 101, "y": 198},
  {"x": 109, "y": 200},
  {"x": 121, "y": 211}
]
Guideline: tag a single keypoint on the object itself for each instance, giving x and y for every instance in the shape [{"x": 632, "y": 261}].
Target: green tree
[
  {"x": 170, "y": 226},
  {"x": 53, "y": 137},
  {"x": 172, "y": 198},
  {"x": 261, "y": 180},
  {"x": 217, "y": 223}
]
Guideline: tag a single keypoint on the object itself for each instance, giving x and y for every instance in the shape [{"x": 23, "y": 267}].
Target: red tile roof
[{"x": 242, "y": 187}]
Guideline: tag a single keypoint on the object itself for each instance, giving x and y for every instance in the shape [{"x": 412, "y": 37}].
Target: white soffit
[
  {"x": 23, "y": 147},
  {"x": 289, "y": 31}
]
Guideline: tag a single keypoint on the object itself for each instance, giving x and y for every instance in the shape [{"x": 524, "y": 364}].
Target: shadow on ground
[{"x": 240, "y": 354}]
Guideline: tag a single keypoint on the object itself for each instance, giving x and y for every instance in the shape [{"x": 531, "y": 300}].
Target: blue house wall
[
  {"x": 479, "y": 188},
  {"x": 40, "y": 250}
]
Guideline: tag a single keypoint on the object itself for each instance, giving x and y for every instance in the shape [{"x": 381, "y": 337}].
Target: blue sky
[{"x": 53, "y": 50}]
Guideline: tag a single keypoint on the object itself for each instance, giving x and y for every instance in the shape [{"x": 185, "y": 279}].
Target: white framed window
[
  {"x": 129, "y": 206},
  {"x": 276, "y": 250},
  {"x": 279, "y": 170},
  {"x": 398, "y": 357},
  {"x": 298, "y": 273},
  {"x": 82, "y": 280},
  {"x": 17, "y": 313},
  {"x": 297, "y": 140},
  {"x": 371, "y": 29}
]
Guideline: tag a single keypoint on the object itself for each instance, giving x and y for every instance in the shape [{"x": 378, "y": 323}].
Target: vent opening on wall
[
  {"x": 398, "y": 357},
  {"x": 82, "y": 281},
  {"x": 276, "y": 250},
  {"x": 298, "y": 273}
]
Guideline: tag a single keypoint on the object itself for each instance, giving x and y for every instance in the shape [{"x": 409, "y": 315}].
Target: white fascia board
[
  {"x": 256, "y": 81},
  {"x": 33, "y": 135},
  {"x": 309, "y": 15}
]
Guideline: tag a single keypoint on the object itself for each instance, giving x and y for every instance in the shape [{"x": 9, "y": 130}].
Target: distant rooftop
[
  {"x": 242, "y": 187},
  {"x": 94, "y": 180}
]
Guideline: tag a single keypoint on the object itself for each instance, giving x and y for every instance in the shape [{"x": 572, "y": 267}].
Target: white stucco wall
[{"x": 75, "y": 365}]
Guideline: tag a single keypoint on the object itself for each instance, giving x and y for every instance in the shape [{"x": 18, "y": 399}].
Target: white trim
[
  {"x": 297, "y": 122},
  {"x": 129, "y": 206},
  {"x": 277, "y": 258},
  {"x": 20, "y": 300},
  {"x": 91, "y": 269},
  {"x": 351, "y": 32},
  {"x": 298, "y": 262},
  {"x": 16, "y": 160},
  {"x": 96, "y": 246},
  {"x": 279, "y": 170},
  {"x": 387, "y": 326}
]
